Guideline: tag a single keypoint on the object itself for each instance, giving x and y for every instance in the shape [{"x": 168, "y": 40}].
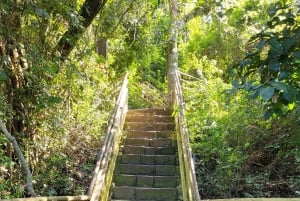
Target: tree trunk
[
  {"x": 14, "y": 65},
  {"x": 29, "y": 185},
  {"x": 88, "y": 12},
  {"x": 172, "y": 48},
  {"x": 176, "y": 25}
]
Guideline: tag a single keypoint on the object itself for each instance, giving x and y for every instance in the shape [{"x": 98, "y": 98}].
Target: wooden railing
[
  {"x": 187, "y": 169},
  {"x": 99, "y": 187}
]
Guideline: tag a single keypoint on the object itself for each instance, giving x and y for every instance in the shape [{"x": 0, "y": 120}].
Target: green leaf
[
  {"x": 272, "y": 11},
  {"x": 254, "y": 94},
  {"x": 278, "y": 111},
  {"x": 274, "y": 67},
  {"x": 260, "y": 45},
  {"x": 235, "y": 84},
  {"x": 276, "y": 48},
  {"x": 290, "y": 94},
  {"x": 268, "y": 114},
  {"x": 280, "y": 86},
  {"x": 296, "y": 55},
  {"x": 289, "y": 43},
  {"x": 283, "y": 75},
  {"x": 267, "y": 93},
  {"x": 3, "y": 76},
  {"x": 291, "y": 106},
  {"x": 52, "y": 69},
  {"x": 53, "y": 100}
]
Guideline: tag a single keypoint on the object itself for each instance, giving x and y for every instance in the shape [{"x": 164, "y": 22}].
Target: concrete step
[
  {"x": 148, "y": 118},
  {"x": 149, "y": 126},
  {"x": 147, "y": 159},
  {"x": 147, "y": 167},
  {"x": 158, "y": 111},
  {"x": 151, "y": 170},
  {"x": 136, "y": 200},
  {"x": 150, "y": 134},
  {"x": 137, "y": 193},
  {"x": 128, "y": 149},
  {"x": 157, "y": 142},
  {"x": 145, "y": 181}
]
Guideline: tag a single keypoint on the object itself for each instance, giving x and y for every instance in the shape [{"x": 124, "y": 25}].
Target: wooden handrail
[
  {"x": 99, "y": 185},
  {"x": 187, "y": 168}
]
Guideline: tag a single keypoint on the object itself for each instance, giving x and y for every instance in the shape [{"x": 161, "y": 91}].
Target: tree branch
[
  {"x": 29, "y": 185},
  {"x": 122, "y": 17},
  {"x": 191, "y": 15},
  {"x": 88, "y": 12},
  {"x": 194, "y": 13}
]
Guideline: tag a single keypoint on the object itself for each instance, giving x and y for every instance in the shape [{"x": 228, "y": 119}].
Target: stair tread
[
  {"x": 146, "y": 122},
  {"x": 156, "y": 142},
  {"x": 145, "y": 181},
  {"x": 150, "y": 188},
  {"x": 149, "y": 139},
  {"x": 148, "y": 117},
  {"x": 147, "y": 159},
  {"x": 141, "y": 200},
  {"x": 151, "y": 111},
  {"x": 137, "y": 169},
  {"x": 146, "y": 126},
  {"x": 141, "y": 193},
  {"x": 150, "y": 134},
  {"x": 146, "y": 146},
  {"x": 128, "y": 149},
  {"x": 159, "y": 176}
]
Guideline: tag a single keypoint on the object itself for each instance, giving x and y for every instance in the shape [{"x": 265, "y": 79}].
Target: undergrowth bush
[
  {"x": 238, "y": 153},
  {"x": 66, "y": 133}
]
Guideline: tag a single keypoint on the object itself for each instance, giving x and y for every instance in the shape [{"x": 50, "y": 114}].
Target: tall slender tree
[
  {"x": 172, "y": 47},
  {"x": 177, "y": 23}
]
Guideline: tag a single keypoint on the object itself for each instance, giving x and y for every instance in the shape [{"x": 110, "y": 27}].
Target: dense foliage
[
  {"x": 52, "y": 107},
  {"x": 238, "y": 153},
  {"x": 56, "y": 103},
  {"x": 271, "y": 68}
]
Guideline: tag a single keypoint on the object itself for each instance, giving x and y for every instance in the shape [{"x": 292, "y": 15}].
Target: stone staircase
[{"x": 147, "y": 166}]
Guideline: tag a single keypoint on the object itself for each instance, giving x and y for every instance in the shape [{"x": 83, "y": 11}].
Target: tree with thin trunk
[
  {"x": 175, "y": 26},
  {"x": 172, "y": 48}
]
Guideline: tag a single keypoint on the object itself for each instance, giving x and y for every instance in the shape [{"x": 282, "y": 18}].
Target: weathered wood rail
[
  {"x": 187, "y": 168},
  {"x": 99, "y": 187}
]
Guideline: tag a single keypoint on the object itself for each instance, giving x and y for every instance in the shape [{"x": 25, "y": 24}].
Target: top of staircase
[{"x": 152, "y": 111}]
